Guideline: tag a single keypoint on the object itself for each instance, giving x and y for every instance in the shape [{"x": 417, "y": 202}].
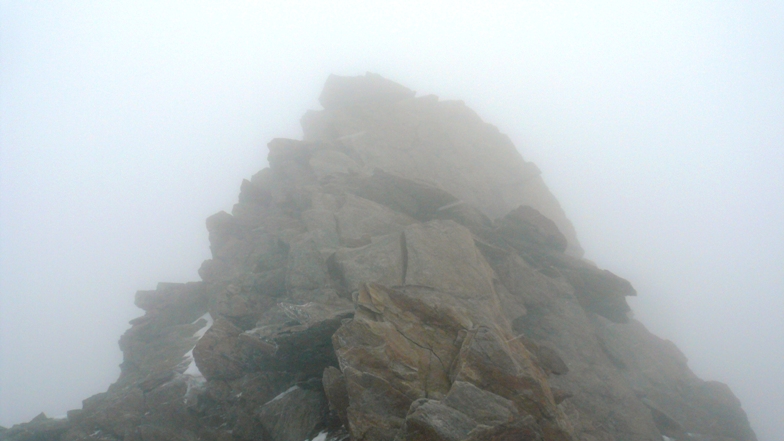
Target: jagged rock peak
[
  {"x": 371, "y": 89},
  {"x": 401, "y": 274},
  {"x": 380, "y": 124}
]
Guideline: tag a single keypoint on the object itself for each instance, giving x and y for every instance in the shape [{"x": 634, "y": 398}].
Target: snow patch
[
  {"x": 192, "y": 369},
  {"x": 667, "y": 438},
  {"x": 282, "y": 394},
  {"x": 200, "y": 333},
  {"x": 320, "y": 437},
  {"x": 194, "y": 378}
]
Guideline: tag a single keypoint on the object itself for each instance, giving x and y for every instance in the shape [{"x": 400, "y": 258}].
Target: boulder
[
  {"x": 295, "y": 415},
  {"x": 482, "y": 406},
  {"x": 429, "y": 420},
  {"x": 369, "y": 89},
  {"x": 334, "y": 383},
  {"x": 381, "y": 261},
  {"x": 442, "y": 255},
  {"x": 525, "y": 227},
  {"x": 359, "y": 218},
  {"x": 217, "y": 354}
]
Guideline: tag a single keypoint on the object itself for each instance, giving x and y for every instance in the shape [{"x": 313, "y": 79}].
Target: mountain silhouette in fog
[{"x": 400, "y": 273}]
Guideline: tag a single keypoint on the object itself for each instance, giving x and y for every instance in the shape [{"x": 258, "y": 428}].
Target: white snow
[
  {"x": 320, "y": 437},
  {"x": 667, "y": 438},
  {"x": 200, "y": 333},
  {"x": 282, "y": 394},
  {"x": 192, "y": 369}
]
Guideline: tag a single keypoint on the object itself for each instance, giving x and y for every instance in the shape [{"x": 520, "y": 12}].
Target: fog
[{"x": 658, "y": 125}]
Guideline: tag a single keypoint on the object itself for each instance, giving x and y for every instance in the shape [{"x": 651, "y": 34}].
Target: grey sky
[{"x": 123, "y": 125}]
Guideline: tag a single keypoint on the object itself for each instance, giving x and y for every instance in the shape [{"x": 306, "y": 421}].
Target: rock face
[{"x": 401, "y": 274}]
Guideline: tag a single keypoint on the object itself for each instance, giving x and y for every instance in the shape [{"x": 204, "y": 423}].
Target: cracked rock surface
[{"x": 400, "y": 274}]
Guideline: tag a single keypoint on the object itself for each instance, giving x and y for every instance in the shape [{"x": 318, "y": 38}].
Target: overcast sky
[{"x": 123, "y": 125}]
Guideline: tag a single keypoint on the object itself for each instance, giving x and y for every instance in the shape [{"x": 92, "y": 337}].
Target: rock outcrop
[{"x": 401, "y": 274}]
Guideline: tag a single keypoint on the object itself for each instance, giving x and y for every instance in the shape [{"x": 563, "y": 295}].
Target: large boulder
[{"x": 294, "y": 415}]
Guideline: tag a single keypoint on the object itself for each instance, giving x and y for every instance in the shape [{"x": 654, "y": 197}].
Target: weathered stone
[
  {"x": 382, "y": 261},
  {"x": 602, "y": 292},
  {"x": 335, "y": 389},
  {"x": 442, "y": 142},
  {"x": 419, "y": 200},
  {"x": 325, "y": 162},
  {"x": 306, "y": 274},
  {"x": 369, "y": 89},
  {"x": 253, "y": 194},
  {"x": 429, "y": 420},
  {"x": 359, "y": 217},
  {"x": 442, "y": 255},
  {"x": 487, "y": 361},
  {"x": 240, "y": 303},
  {"x": 480, "y": 405},
  {"x": 302, "y": 345},
  {"x": 524, "y": 227},
  {"x": 217, "y": 354},
  {"x": 40, "y": 428},
  {"x": 661, "y": 377},
  {"x": 521, "y": 429},
  {"x": 391, "y": 357},
  {"x": 322, "y": 227},
  {"x": 294, "y": 415}
]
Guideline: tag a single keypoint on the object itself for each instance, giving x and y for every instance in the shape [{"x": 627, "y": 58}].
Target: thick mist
[{"x": 659, "y": 126}]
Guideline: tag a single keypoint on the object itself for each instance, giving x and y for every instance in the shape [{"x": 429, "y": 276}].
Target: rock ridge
[{"x": 399, "y": 274}]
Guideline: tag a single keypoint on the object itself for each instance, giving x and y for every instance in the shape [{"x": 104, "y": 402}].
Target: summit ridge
[{"x": 399, "y": 274}]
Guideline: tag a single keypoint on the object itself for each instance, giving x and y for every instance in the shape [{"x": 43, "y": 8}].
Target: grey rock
[
  {"x": 442, "y": 255},
  {"x": 326, "y": 162},
  {"x": 525, "y": 227},
  {"x": 359, "y": 217},
  {"x": 429, "y": 420},
  {"x": 40, "y": 428},
  {"x": 335, "y": 389},
  {"x": 480, "y": 405},
  {"x": 381, "y": 261},
  {"x": 306, "y": 270},
  {"x": 322, "y": 227},
  {"x": 294, "y": 415},
  {"x": 372, "y": 88}
]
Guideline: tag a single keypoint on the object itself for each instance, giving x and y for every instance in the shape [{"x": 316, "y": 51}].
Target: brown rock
[
  {"x": 429, "y": 420},
  {"x": 335, "y": 389},
  {"x": 381, "y": 261},
  {"x": 359, "y": 217},
  {"x": 294, "y": 415},
  {"x": 525, "y": 227},
  {"x": 218, "y": 354}
]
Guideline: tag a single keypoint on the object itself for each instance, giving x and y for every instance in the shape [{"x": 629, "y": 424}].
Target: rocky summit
[{"x": 399, "y": 274}]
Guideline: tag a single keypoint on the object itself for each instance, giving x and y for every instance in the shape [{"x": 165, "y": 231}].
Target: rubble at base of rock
[{"x": 401, "y": 274}]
